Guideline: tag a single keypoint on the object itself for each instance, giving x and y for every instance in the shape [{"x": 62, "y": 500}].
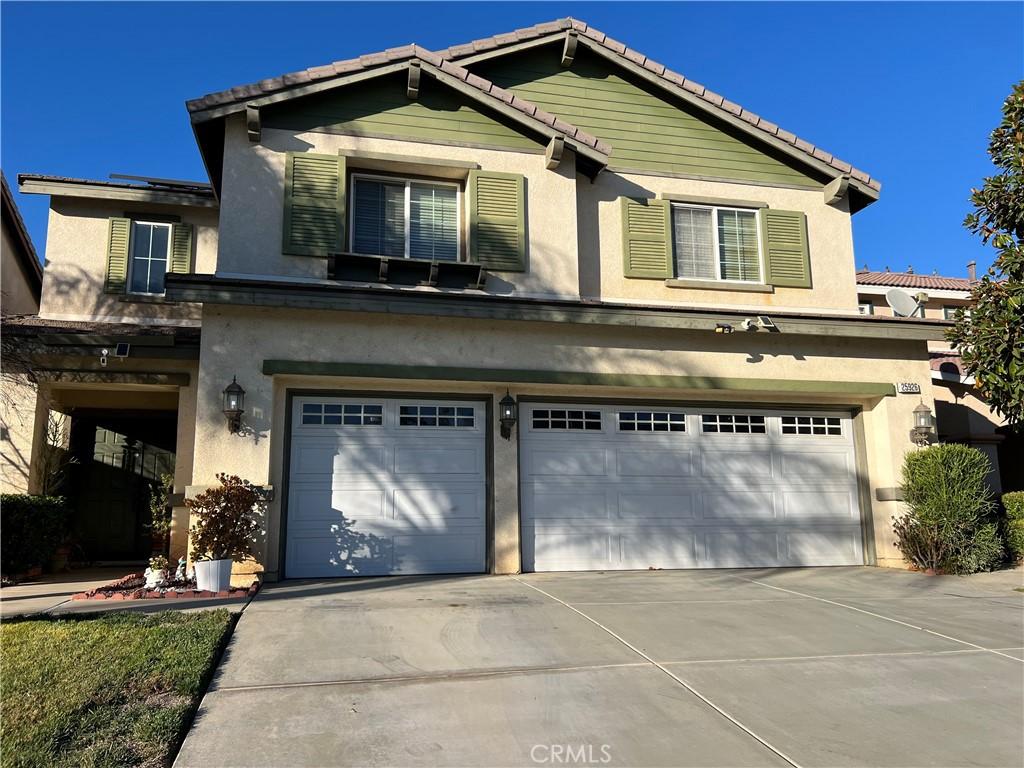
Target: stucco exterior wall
[
  {"x": 252, "y": 206},
  {"x": 76, "y": 261},
  {"x": 17, "y": 433},
  {"x": 237, "y": 340}
]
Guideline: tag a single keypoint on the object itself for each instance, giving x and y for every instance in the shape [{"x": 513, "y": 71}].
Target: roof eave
[{"x": 33, "y": 185}]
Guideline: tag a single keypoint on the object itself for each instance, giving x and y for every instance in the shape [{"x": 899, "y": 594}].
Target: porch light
[
  {"x": 507, "y": 414},
  {"x": 924, "y": 425},
  {"x": 234, "y": 405}
]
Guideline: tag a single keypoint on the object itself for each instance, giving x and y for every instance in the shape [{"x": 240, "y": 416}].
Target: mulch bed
[{"x": 133, "y": 587}]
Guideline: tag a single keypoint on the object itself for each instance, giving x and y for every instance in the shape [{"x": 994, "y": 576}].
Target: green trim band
[{"x": 579, "y": 378}]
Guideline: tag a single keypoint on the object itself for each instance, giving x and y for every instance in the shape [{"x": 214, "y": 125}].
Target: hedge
[
  {"x": 1014, "y": 504},
  {"x": 33, "y": 527}
]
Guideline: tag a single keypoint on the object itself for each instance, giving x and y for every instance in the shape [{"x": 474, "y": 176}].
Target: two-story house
[
  {"x": 534, "y": 302},
  {"x": 961, "y": 413}
]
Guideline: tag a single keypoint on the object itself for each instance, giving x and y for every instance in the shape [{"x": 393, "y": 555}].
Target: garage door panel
[
  {"x": 565, "y": 462},
  {"x": 736, "y": 463},
  {"x": 810, "y": 505},
  {"x": 653, "y": 463},
  {"x": 744, "y": 505},
  {"x": 811, "y": 464},
  {"x": 641, "y": 506},
  {"x": 622, "y": 498},
  {"x": 739, "y": 548},
  {"x": 400, "y": 487},
  {"x": 315, "y": 507},
  {"x": 418, "y": 505},
  {"x": 567, "y": 504}
]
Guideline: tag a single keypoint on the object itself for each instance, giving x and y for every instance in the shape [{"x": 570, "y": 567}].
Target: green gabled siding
[
  {"x": 381, "y": 108},
  {"x": 646, "y": 131}
]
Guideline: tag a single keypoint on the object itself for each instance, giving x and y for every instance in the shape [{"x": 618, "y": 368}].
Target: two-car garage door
[
  {"x": 382, "y": 486},
  {"x": 633, "y": 487}
]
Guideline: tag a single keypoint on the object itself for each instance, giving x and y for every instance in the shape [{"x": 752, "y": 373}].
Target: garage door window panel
[
  {"x": 337, "y": 414},
  {"x": 812, "y": 425},
  {"x": 569, "y": 419},
  {"x": 450, "y": 416},
  {"x": 733, "y": 424},
  {"x": 651, "y": 421}
]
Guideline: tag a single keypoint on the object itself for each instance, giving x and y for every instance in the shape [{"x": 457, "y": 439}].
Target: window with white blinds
[
  {"x": 405, "y": 218},
  {"x": 713, "y": 243}
]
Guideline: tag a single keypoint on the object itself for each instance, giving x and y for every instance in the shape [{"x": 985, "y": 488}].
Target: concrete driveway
[{"x": 804, "y": 667}]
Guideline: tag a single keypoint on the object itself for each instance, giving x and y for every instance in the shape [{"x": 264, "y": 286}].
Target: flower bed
[{"x": 133, "y": 587}]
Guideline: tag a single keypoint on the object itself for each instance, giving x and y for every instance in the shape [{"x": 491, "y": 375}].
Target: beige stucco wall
[
  {"x": 76, "y": 261},
  {"x": 17, "y": 430},
  {"x": 237, "y": 340},
  {"x": 16, "y": 298},
  {"x": 252, "y": 206}
]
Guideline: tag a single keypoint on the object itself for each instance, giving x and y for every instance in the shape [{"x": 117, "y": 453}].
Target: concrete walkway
[
  {"x": 47, "y": 592},
  {"x": 797, "y": 667}
]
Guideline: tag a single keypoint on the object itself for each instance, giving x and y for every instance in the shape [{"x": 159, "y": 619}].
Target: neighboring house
[
  {"x": 961, "y": 414},
  {"x": 21, "y": 280},
  {"x": 21, "y": 274},
  {"x": 393, "y": 249}
]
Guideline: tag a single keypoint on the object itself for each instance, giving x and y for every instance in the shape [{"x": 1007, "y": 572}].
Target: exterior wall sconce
[
  {"x": 924, "y": 426},
  {"x": 508, "y": 412},
  {"x": 234, "y": 405}
]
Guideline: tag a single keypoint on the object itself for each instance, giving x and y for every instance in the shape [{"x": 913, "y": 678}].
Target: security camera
[
  {"x": 103, "y": 357},
  {"x": 748, "y": 324}
]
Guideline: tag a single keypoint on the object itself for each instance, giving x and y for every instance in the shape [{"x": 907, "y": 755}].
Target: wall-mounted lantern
[
  {"x": 234, "y": 405},
  {"x": 924, "y": 426},
  {"x": 507, "y": 414}
]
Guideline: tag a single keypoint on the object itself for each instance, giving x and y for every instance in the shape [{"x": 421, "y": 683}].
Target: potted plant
[
  {"x": 160, "y": 512},
  {"x": 226, "y": 524}
]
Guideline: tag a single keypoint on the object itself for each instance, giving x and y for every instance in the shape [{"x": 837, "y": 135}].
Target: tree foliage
[
  {"x": 226, "y": 519},
  {"x": 991, "y": 338}
]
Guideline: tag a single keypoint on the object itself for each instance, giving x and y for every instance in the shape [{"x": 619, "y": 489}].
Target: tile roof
[
  {"x": 405, "y": 53},
  {"x": 674, "y": 78},
  {"x": 912, "y": 280}
]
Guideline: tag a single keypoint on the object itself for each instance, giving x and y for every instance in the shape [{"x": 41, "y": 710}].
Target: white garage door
[
  {"x": 621, "y": 487},
  {"x": 381, "y": 486}
]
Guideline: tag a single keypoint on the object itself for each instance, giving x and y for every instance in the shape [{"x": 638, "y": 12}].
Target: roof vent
[
  {"x": 910, "y": 269},
  {"x": 972, "y": 274}
]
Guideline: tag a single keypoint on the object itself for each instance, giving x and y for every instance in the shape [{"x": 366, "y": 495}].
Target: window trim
[
  {"x": 714, "y": 234},
  {"x": 407, "y": 181},
  {"x": 169, "y": 225}
]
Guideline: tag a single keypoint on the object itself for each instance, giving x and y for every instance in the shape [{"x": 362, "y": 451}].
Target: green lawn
[{"x": 114, "y": 690}]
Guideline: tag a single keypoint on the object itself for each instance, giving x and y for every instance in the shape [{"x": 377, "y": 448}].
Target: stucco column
[{"x": 506, "y": 495}]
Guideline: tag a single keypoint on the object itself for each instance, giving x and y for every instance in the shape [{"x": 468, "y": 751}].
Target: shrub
[
  {"x": 33, "y": 527},
  {"x": 226, "y": 519},
  {"x": 949, "y": 525},
  {"x": 1014, "y": 504}
]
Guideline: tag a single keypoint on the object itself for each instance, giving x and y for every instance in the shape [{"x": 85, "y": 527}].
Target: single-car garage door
[
  {"x": 381, "y": 486},
  {"x": 627, "y": 486}
]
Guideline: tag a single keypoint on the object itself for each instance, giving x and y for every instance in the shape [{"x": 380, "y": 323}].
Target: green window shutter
[
  {"x": 118, "y": 239},
  {"x": 181, "y": 249},
  {"x": 497, "y": 220},
  {"x": 314, "y": 204},
  {"x": 786, "y": 258},
  {"x": 646, "y": 239}
]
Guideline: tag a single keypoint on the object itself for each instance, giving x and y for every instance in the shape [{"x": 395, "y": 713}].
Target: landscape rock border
[{"x": 131, "y": 587}]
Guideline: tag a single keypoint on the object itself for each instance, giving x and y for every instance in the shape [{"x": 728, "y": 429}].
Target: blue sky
[{"x": 906, "y": 91}]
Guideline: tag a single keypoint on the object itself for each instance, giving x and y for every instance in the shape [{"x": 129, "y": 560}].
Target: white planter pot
[{"x": 213, "y": 575}]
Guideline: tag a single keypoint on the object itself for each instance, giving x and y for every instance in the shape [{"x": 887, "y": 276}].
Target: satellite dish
[{"x": 902, "y": 303}]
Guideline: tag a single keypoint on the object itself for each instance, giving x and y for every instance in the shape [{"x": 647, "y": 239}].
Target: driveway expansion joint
[
  {"x": 782, "y": 755},
  {"x": 883, "y": 617}
]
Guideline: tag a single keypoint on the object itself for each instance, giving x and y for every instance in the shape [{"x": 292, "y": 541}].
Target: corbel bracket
[
  {"x": 569, "y": 49},
  {"x": 836, "y": 189},
  {"x": 553, "y": 153},
  {"x": 252, "y": 123},
  {"x": 412, "y": 88}
]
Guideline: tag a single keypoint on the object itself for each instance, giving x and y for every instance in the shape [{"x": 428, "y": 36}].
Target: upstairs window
[
  {"x": 150, "y": 251},
  {"x": 405, "y": 218},
  {"x": 715, "y": 243}
]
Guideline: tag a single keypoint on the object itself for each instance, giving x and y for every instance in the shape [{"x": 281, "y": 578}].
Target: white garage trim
[
  {"x": 379, "y": 484},
  {"x": 628, "y": 486}
]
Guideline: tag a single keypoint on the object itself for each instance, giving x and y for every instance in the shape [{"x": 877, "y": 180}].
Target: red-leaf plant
[{"x": 226, "y": 519}]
